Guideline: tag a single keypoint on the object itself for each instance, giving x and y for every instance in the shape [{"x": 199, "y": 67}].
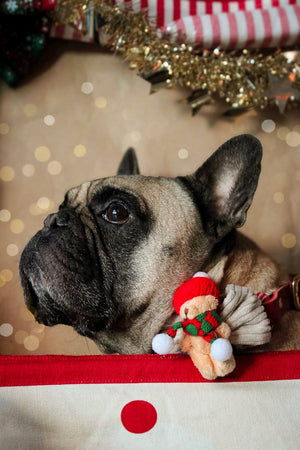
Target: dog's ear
[
  {"x": 225, "y": 184},
  {"x": 129, "y": 164}
]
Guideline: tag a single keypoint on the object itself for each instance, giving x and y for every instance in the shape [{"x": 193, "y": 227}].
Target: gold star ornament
[{"x": 282, "y": 90}]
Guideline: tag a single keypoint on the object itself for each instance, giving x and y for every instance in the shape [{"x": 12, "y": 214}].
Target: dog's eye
[{"x": 116, "y": 213}]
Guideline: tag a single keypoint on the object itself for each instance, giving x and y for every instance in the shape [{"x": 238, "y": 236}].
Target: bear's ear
[
  {"x": 129, "y": 164},
  {"x": 224, "y": 185}
]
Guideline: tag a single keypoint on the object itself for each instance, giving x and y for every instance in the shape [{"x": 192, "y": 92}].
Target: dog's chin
[{"x": 56, "y": 293}]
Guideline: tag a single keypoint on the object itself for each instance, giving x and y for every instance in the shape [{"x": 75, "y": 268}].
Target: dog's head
[{"x": 108, "y": 262}]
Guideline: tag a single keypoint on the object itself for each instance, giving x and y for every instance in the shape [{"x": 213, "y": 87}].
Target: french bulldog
[{"x": 109, "y": 261}]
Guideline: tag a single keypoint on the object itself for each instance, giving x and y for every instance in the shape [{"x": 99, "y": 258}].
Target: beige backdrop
[{"x": 73, "y": 121}]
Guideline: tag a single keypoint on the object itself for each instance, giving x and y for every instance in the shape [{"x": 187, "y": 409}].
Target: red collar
[{"x": 285, "y": 298}]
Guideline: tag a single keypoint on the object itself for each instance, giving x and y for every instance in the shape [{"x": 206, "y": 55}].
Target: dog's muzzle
[{"x": 61, "y": 277}]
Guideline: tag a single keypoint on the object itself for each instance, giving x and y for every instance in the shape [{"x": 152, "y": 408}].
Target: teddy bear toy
[{"x": 205, "y": 334}]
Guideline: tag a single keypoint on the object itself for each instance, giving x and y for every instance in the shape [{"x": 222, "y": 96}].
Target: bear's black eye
[{"x": 116, "y": 213}]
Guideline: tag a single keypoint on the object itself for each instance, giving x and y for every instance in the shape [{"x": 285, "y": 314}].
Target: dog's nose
[
  {"x": 58, "y": 219},
  {"x": 50, "y": 221}
]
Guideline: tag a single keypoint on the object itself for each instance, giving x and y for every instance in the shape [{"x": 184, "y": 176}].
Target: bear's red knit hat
[{"x": 200, "y": 284}]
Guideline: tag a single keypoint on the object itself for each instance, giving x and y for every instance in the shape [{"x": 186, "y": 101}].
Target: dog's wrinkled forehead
[
  {"x": 163, "y": 197},
  {"x": 79, "y": 196}
]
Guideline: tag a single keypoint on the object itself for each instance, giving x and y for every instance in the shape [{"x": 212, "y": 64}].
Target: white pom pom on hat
[{"x": 201, "y": 274}]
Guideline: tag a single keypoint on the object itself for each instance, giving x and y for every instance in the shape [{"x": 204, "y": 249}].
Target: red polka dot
[{"x": 138, "y": 416}]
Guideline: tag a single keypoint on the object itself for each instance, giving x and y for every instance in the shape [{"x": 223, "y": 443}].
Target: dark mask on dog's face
[{"x": 108, "y": 262}]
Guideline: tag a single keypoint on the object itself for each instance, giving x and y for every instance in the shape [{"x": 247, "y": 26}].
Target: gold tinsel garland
[{"x": 243, "y": 79}]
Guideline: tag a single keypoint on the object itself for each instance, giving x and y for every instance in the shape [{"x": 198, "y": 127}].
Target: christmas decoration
[
  {"x": 169, "y": 55},
  {"x": 23, "y": 29},
  {"x": 197, "y": 99},
  {"x": 281, "y": 90},
  {"x": 21, "y": 7},
  {"x": 240, "y": 317},
  {"x": 241, "y": 309},
  {"x": 206, "y": 335},
  {"x": 158, "y": 78},
  {"x": 239, "y": 78}
]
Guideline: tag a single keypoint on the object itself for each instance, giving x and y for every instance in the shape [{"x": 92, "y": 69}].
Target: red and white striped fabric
[
  {"x": 70, "y": 33},
  {"x": 148, "y": 402},
  {"x": 257, "y": 28},
  {"x": 228, "y": 24}
]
